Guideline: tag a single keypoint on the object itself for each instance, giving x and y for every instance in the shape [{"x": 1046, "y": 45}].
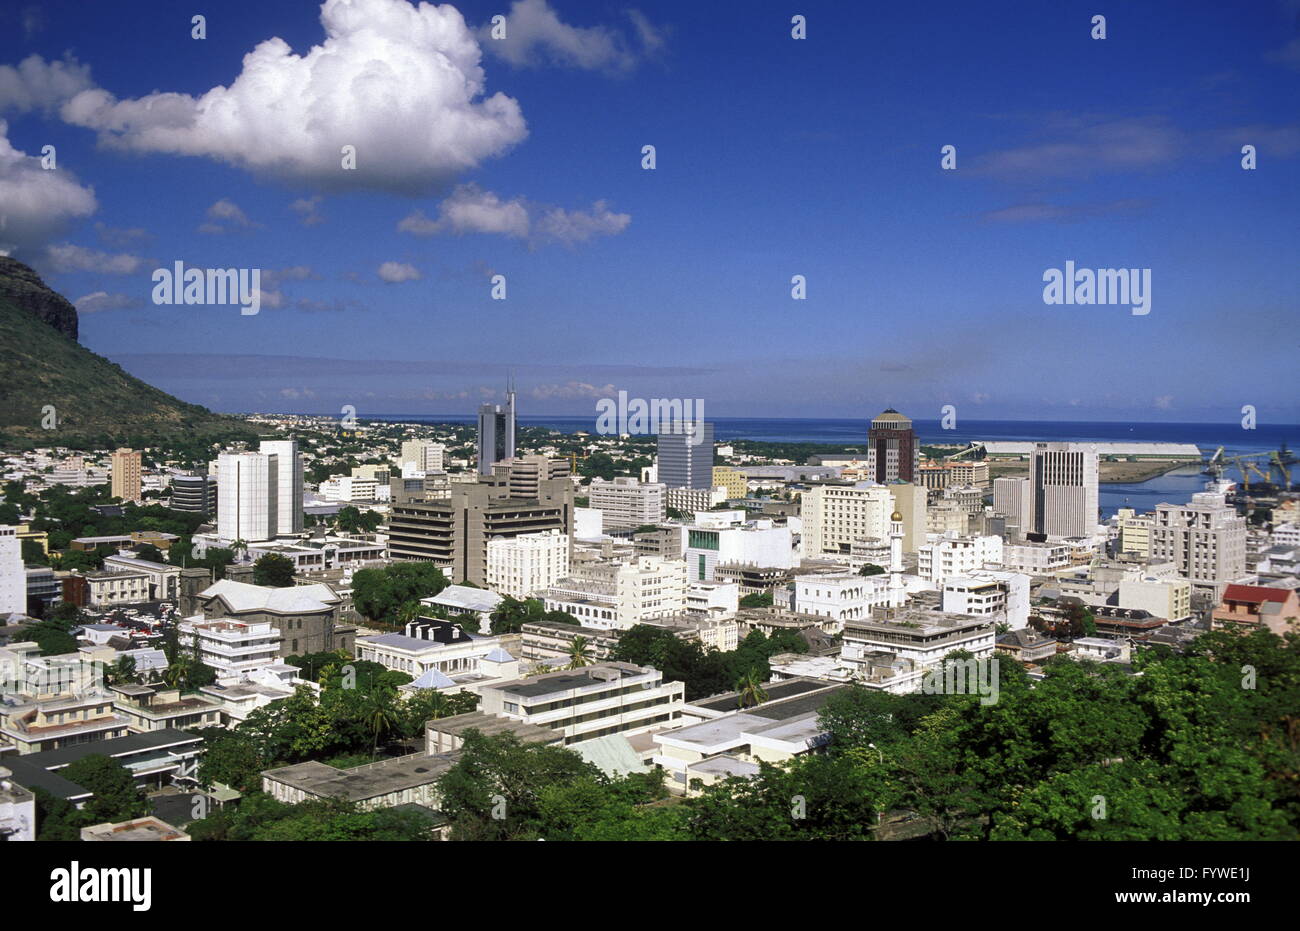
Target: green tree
[
  {"x": 116, "y": 796},
  {"x": 757, "y": 600},
  {"x": 871, "y": 569},
  {"x": 579, "y": 653},
  {"x": 274, "y": 570}
]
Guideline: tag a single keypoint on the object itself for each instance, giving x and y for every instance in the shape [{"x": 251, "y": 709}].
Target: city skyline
[{"x": 924, "y": 286}]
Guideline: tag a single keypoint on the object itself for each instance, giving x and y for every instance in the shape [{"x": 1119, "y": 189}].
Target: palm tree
[
  {"x": 380, "y": 713},
  {"x": 750, "y": 689},
  {"x": 409, "y": 612},
  {"x": 579, "y": 653}
]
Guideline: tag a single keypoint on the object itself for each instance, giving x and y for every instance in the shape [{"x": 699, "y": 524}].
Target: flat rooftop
[{"x": 364, "y": 782}]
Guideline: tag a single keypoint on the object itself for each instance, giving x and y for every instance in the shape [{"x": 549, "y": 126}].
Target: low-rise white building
[
  {"x": 999, "y": 597},
  {"x": 951, "y": 555},
  {"x": 232, "y": 648}
]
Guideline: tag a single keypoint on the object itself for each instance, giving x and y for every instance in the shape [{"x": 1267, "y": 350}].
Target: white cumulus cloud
[
  {"x": 67, "y": 257},
  {"x": 397, "y": 272},
  {"x": 36, "y": 204},
  {"x": 400, "y": 83},
  {"x": 470, "y": 209},
  {"x": 535, "y": 36}
]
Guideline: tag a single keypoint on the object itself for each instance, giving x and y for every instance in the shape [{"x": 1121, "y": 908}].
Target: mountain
[{"x": 94, "y": 400}]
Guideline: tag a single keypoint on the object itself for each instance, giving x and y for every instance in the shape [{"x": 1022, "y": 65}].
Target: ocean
[
  {"x": 1175, "y": 487},
  {"x": 850, "y": 431}
]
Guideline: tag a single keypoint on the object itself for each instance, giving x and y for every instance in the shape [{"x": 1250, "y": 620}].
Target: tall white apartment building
[
  {"x": 707, "y": 545},
  {"x": 288, "y": 484},
  {"x": 530, "y": 562},
  {"x": 834, "y": 516},
  {"x": 247, "y": 497},
  {"x": 13, "y": 577},
  {"x": 424, "y": 455},
  {"x": 625, "y": 502},
  {"x": 1013, "y": 499},
  {"x": 619, "y": 595},
  {"x": 1205, "y": 540},
  {"x": 952, "y": 555},
  {"x": 1065, "y": 494}
]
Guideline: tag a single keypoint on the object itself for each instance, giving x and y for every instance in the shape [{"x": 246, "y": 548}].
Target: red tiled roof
[{"x": 1255, "y": 594}]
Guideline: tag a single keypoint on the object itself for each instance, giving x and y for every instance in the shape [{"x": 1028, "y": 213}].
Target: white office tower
[
  {"x": 1065, "y": 500},
  {"x": 13, "y": 578},
  {"x": 247, "y": 497},
  {"x": 423, "y": 456},
  {"x": 1012, "y": 498},
  {"x": 1205, "y": 540},
  {"x": 288, "y": 484}
]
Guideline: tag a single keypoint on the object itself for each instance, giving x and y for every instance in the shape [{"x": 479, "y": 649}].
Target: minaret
[{"x": 897, "y": 593}]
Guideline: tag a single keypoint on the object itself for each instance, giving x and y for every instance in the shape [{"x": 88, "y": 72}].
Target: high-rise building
[
  {"x": 454, "y": 532},
  {"x": 247, "y": 497},
  {"x": 126, "y": 475},
  {"x": 625, "y": 502},
  {"x": 1013, "y": 499},
  {"x": 288, "y": 484},
  {"x": 893, "y": 453},
  {"x": 686, "y": 455},
  {"x": 524, "y": 474},
  {"x": 496, "y": 432},
  {"x": 1205, "y": 540},
  {"x": 1065, "y": 498},
  {"x": 13, "y": 576},
  {"x": 425, "y": 455},
  {"x": 195, "y": 493}
]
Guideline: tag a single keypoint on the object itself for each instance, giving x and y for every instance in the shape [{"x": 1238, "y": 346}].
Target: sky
[{"x": 522, "y": 157}]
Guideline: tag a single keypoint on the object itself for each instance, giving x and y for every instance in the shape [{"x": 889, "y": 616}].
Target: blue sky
[{"x": 775, "y": 157}]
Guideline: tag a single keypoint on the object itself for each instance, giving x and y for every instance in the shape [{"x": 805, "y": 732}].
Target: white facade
[
  {"x": 1205, "y": 540},
  {"x": 757, "y": 543},
  {"x": 952, "y": 555},
  {"x": 1065, "y": 494},
  {"x": 530, "y": 562},
  {"x": 999, "y": 597},
  {"x": 923, "y": 637},
  {"x": 424, "y": 455},
  {"x": 232, "y": 648},
  {"x": 1035, "y": 558},
  {"x": 348, "y": 488},
  {"x": 1167, "y": 598},
  {"x": 834, "y": 516},
  {"x": 840, "y": 598},
  {"x": 620, "y": 595},
  {"x": 288, "y": 484},
  {"x": 712, "y": 599},
  {"x": 1013, "y": 499},
  {"x": 625, "y": 502},
  {"x": 247, "y": 497},
  {"x": 13, "y": 576}
]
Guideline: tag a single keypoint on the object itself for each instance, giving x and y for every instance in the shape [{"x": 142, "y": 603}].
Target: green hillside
[{"x": 96, "y": 402}]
